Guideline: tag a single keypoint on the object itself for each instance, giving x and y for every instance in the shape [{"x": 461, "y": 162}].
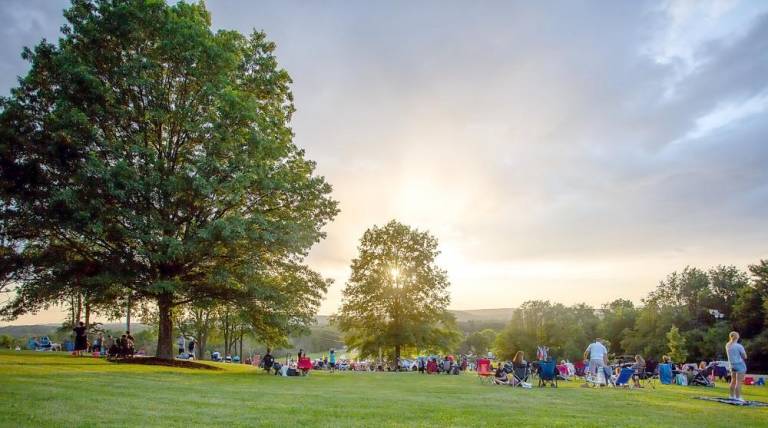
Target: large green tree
[
  {"x": 396, "y": 296},
  {"x": 159, "y": 153}
]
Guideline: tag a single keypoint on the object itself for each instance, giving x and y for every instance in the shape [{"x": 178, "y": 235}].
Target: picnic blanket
[{"x": 734, "y": 402}]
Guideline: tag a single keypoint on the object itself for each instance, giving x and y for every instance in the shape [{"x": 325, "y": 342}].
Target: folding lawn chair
[
  {"x": 305, "y": 365},
  {"x": 665, "y": 374},
  {"x": 648, "y": 374},
  {"x": 521, "y": 374},
  {"x": 625, "y": 375},
  {"x": 580, "y": 368},
  {"x": 547, "y": 373},
  {"x": 484, "y": 372}
]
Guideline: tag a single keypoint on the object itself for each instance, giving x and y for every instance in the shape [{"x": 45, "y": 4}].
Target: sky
[{"x": 575, "y": 151}]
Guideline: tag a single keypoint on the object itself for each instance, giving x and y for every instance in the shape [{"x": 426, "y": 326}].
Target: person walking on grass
[
  {"x": 181, "y": 342},
  {"x": 737, "y": 357},
  {"x": 596, "y": 354}
]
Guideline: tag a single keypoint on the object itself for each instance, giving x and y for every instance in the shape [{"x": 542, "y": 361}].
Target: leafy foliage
[
  {"x": 145, "y": 152},
  {"x": 396, "y": 295}
]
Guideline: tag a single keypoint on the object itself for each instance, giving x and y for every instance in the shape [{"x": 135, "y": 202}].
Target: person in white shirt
[{"x": 597, "y": 355}]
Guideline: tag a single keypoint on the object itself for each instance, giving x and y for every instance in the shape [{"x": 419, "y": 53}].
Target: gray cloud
[{"x": 543, "y": 133}]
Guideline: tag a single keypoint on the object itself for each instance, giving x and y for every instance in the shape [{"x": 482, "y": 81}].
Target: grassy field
[{"x": 43, "y": 389}]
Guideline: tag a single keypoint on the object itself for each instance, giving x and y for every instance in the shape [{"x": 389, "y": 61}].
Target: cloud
[{"x": 574, "y": 151}]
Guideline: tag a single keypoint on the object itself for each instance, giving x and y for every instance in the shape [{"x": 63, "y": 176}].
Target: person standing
[
  {"x": 98, "y": 344},
  {"x": 181, "y": 342},
  {"x": 268, "y": 360},
  {"x": 332, "y": 360},
  {"x": 192, "y": 347},
  {"x": 737, "y": 357},
  {"x": 597, "y": 355},
  {"x": 81, "y": 339}
]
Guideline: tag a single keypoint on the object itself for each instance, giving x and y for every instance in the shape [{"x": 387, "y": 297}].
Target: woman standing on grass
[
  {"x": 737, "y": 358},
  {"x": 81, "y": 339}
]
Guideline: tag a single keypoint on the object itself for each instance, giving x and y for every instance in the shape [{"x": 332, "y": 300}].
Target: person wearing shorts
[
  {"x": 596, "y": 354},
  {"x": 332, "y": 360},
  {"x": 737, "y": 357}
]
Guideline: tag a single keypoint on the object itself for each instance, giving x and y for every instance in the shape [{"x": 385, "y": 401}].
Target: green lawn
[{"x": 44, "y": 389}]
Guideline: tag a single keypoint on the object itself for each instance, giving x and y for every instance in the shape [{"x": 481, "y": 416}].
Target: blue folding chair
[
  {"x": 665, "y": 374},
  {"x": 547, "y": 373},
  {"x": 625, "y": 375}
]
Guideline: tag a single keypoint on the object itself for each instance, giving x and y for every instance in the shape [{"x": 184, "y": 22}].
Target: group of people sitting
[
  {"x": 514, "y": 373},
  {"x": 300, "y": 366},
  {"x": 596, "y": 370},
  {"x": 437, "y": 365},
  {"x": 121, "y": 347},
  {"x": 112, "y": 346}
]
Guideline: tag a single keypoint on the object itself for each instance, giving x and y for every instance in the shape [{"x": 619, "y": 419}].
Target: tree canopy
[
  {"x": 396, "y": 296},
  {"x": 146, "y": 154}
]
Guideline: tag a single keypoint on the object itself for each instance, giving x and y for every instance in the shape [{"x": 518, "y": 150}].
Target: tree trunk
[
  {"x": 79, "y": 309},
  {"x": 397, "y": 357},
  {"x": 128, "y": 315},
  {"x": 73, "y": 310},
  {"x": 165, "y": 331},
  {"x": 200, "y": 350},
  {"x": 242, "y": 360},
  {"x": 87, "y": 314}
]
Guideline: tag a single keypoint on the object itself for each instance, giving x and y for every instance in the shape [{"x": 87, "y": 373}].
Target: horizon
[{"x": 551, "y": 162}]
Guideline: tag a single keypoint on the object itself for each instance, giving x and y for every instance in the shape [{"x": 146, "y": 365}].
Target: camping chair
[
  {"x": 625, "y": 375},
  {"x": 580, "y": 368},
  {"x": 665, "y": 374},
  {"x": 547, "y": 373},
  {"x": 45, "y": 344},
  {"x": 305, "y": 365},
  {"x": 484, "y": 370},
  {"x": 520, "y": 373}
]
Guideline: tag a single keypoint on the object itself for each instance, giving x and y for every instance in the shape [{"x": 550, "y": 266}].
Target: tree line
[{"x": 688, "y": 316}]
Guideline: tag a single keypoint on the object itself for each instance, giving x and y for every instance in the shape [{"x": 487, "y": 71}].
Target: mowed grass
[{"x": 45, "y": 389}]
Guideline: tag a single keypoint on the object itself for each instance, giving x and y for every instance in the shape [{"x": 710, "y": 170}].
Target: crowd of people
[
  {"x": 112, "y": 346},
  {"x": 596, "y": 370}
]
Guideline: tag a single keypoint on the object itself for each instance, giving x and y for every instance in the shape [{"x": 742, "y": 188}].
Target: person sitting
[
  {"x": 447, "y": 365},
  {"x": 501, "y": 378},
  {"x": 431, "y": 366},
  {"x": 114, "y": 350}
]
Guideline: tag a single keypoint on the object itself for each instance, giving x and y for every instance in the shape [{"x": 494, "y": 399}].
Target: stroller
[{"x": 701, "y": 378}]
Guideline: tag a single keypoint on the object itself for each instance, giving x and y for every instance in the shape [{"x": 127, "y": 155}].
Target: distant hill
[
  {"x": 485, "y": 315},
  {"x": 479, "y": 315}
]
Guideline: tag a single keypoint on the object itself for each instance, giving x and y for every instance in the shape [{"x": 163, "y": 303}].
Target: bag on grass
[{"x": 681, "y": 379}]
